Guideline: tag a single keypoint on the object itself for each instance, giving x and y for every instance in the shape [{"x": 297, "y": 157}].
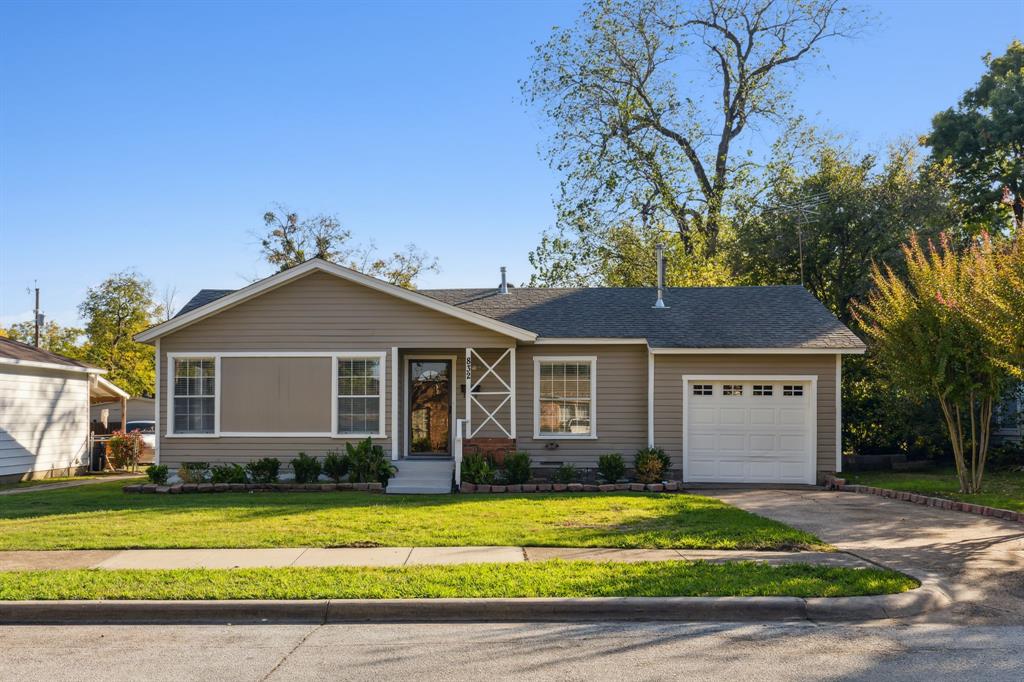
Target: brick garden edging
[
  {"x": 937, "y": 502},
  {"x": 668, "y": 486},
  {"x": 374, "y": 487}
]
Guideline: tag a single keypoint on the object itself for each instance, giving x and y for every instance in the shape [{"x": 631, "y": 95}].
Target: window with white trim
[
  {"x": 360, "y": 395},
  {"x": 763, "y": 390},
  {"x": 794, "y": 390},
  {"x": 565, "y": 397},
  {"x": 732, "y": 389},
  {"x": 194, "y": 395},
  {"x": 703, "y": 389}
]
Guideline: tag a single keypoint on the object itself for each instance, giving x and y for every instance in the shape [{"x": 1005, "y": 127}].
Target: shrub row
[
  {"x": 667, "y": 486},
  {"x": 650, "y": 466},
  {"x": 363, "y": 462},
  {"x": 373, "y": 487}
]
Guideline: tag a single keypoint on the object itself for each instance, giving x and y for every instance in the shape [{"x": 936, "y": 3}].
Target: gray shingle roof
[
  {"x": 16, "y": 350},
  {"x": 696, "y": 317}
]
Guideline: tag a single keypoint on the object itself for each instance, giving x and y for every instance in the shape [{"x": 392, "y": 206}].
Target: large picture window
[
  {"x": 194, "y": 389},
  {"x": 564, "y": 398},
  {"x": 360, "y": 396}
]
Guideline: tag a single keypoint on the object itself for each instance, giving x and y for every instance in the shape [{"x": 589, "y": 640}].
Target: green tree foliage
[
  {"x": 982, "y": 140},
  {"x": 52, "y": 337},
  {"x": 929, "y": 342},
  {"x": 289, "y": 240},
  {"x": 835, "y": 213},
  {"x": 642, "y": 147},
  {"x": 115, "y": 311},
  {"x": 998, "y": 270}
]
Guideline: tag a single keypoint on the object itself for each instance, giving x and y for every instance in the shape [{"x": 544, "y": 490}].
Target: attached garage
[{"x": 749, "y": 429}]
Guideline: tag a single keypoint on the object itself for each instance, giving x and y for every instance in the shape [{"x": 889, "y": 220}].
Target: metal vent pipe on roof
[
  {"x": 659, "y": 253},
  {"x": 503, "y": 289}
]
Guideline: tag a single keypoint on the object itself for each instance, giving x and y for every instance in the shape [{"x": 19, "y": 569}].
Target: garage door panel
[{"x": 749, "y": 438}]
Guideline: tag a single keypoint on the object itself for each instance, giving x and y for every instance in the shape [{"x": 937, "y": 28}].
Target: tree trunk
[{"x": 970, "y": 472}]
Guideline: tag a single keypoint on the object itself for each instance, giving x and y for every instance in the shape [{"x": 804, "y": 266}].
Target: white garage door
[{"x": 742, "y": 430}]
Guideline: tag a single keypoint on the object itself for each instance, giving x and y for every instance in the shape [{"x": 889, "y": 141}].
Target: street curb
[{"x": 746, "y": 609}]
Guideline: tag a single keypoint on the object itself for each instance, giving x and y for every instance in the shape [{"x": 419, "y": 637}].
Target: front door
[{"x": 430, "y": 407}]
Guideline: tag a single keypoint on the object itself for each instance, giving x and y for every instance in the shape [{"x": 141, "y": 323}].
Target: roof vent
[
  {"x": 503, "y": 288},
  {"x": 659, "y": 253}
]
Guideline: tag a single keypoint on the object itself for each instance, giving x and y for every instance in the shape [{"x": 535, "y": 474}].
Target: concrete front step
[{"x": 422, "y": 477}]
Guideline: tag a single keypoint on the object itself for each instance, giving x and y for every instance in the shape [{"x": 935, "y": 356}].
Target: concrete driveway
[{"x": 978, "y": 560}]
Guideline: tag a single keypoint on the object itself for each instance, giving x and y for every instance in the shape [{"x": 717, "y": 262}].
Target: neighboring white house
[{"x": 44, "y": 411}]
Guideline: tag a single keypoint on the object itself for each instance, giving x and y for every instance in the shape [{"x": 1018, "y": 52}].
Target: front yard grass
[
  {"x": 1002, "y": 489},
  {"x": 48, "y": 481},
  {"x": 102, "y": 517},
  {"x": 543, "y": 579}
]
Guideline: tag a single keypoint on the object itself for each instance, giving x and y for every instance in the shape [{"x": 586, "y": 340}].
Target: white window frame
[
  {"x": 172, "y": 359},
  {"x": 381, "y": 357},
  {"x": 575, "y": 359},
  {"x": 333, "y": 395}
]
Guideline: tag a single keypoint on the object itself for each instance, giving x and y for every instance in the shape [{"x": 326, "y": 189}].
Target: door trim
[
  {"x": 811, "y": 408},
  {"x": 407, "y": 437}
]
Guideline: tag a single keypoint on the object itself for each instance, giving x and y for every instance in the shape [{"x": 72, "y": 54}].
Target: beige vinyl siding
[
  {"x": 316, "y": 313},
  {"x": 668, "y": 394},
  {"x": 276, "y": 394},
  {"x": 44, "y": 420},
  {"x": 621, "y": 411}
]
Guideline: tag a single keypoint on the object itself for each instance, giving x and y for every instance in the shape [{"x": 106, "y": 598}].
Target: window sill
[
  {"x": 191, "y": 435},
  {"x": 360, "y": 436},
  {"x": 563, "y": 436}
]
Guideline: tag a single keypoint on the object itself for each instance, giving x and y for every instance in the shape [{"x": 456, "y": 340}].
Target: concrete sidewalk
[{"x": 385, "y": 556}]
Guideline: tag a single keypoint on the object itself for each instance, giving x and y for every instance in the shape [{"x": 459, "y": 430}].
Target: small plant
[
  {"x": 124, "y": 450},
  {"x": 477, "y": 469},
  {"x": 336, "y": 465},
  {"x": 517, "y": 465},
  {"x": 227, "y": 473},
  {"x": 649, "y": 465},
  {"x": 611, "y": 468},
  {"x": 264, "y": 470},
  {"x": 194, "y": 472},
  {"x": 369, "y": 463},
  {"x": 565, "y": 473},
  {"x": 157, "y": 473},
  {"x": 307, "y": 469}
]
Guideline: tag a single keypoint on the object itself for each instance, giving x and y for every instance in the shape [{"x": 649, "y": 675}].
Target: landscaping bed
[
  {"x": 102, "y": 517},
  {"x": 178, "y": 488},
  {"x": 543, "y": 579},
  {"x": 1002, "y": 490}
]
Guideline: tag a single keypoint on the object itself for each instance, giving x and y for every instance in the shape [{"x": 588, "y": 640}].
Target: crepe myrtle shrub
[
  {"x": 124, "y": 449},
  {"x": 336, "y": 465},
  {"x": 368, "y": 463},
  {"x": 648, "y": 466},
  {"x": 929, "y": 331},
  {"x": 476, "y": 469},
  {"x": 227, "y": 473},
  {"x": 194, "y": 472},
  {"x": 157, "y": 473},
  {"x": 307, "y": 469},
  {"x": 566, "y": 473},
  {"x": 264, "y": 470},
  {"x": 611, "y": 468},
  {"x": 517, "y": 464}
]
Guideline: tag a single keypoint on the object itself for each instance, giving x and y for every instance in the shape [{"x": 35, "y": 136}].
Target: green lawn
[
  {"x": 102, "y": 517},
  {"x": 47, "y": 481},
  {"x": 543, "y": 579},
  {"x": 1004, "y": 489}
]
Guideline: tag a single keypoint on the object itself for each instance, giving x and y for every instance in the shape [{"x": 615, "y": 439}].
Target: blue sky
[{"x": 154, "y": 136}]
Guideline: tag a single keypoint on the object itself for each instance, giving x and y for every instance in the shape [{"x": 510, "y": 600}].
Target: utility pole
[{"x": 38, "y": 317}]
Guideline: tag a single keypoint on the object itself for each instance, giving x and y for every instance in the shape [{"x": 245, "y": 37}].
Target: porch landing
[{"x": 422, "y": 477}]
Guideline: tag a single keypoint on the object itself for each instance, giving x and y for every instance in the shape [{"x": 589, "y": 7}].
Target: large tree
[
  {"x": 647, "y": 99},
  {"x": 826, "y": 218},
  {"x": 114, "y": 312},
  {"x": 289, "y": 240},
  {"x": 982, "y": 139}
]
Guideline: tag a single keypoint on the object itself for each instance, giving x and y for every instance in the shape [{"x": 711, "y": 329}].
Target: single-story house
[
  {"x": 736, "y": 384},
  {"x": 45, "y": 400}
]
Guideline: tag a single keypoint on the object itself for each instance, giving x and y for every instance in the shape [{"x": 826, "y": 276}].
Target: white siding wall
[{"x": 44, "y": 419}]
